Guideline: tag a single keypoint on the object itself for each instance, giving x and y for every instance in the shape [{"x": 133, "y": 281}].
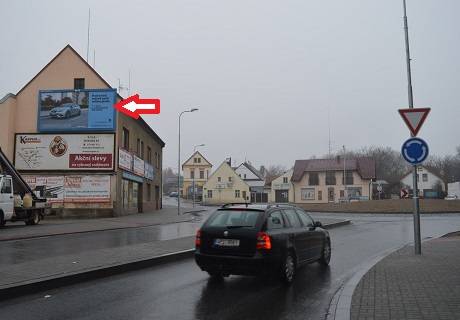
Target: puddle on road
[{"x": 177, "y": 230}]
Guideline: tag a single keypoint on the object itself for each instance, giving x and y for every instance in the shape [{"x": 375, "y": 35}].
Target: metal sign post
[{"x": 417, "y": 238}]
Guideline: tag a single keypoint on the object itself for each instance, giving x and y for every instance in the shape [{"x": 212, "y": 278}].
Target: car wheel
[
  {"x": 34, "y": 219},
  {"x": 326, "y": 254},
  {"x": 2, "y": 220},
  {"x": 288, "y": 268}
]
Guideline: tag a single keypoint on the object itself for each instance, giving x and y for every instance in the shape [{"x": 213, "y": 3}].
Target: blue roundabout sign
[{"x": 414, "y": 150}]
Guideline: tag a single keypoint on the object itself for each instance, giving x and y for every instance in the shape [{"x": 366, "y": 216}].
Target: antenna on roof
[
  {"x": 129, "y": 82},
  {"x": 87, "y": 44}
]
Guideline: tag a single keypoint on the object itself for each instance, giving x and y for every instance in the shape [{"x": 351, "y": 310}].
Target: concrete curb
[
  {"x": 90, "y": 274},
  {"x": 337, "y": 224},
  {"x": 13, "y": 238},
  {"x": 340, "y": 307}
]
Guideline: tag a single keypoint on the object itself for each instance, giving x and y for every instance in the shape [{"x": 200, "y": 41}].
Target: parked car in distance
[
  {"x": 451, "y": 197},
  {"x": 173, "y": 194},
  {"x": 254, "y": 239},
  {"x": 65, "y": 110}
]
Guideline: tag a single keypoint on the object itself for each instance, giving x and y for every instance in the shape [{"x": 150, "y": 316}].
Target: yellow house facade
[
  {"x": 196, "y": 171},
  {"x": 225, "y": 186},
  {"x": 321, "y": 180}
]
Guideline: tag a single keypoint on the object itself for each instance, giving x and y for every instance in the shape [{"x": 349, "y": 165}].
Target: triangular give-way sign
[{"x": 414, "y": 118}]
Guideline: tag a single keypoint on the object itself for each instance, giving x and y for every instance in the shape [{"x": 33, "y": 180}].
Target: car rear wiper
[{"x": 241, "y": 226}]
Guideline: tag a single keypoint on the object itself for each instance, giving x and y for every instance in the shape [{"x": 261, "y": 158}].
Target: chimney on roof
[{"x": 229, "y": 161}]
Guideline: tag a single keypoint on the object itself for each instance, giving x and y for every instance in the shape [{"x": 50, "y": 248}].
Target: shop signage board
[
  {"x": 138, "y": 166},
  {"x": 148, "y": 171},
  {"x": 64, "y": 151},
  {"x": 125, "y": 160},
  {"x": 76, "y": 110}
]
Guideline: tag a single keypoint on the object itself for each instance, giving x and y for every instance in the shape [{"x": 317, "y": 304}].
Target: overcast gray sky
[{"x": 264, "y": 74}]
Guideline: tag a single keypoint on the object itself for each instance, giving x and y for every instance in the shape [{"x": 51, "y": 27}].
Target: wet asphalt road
[{"x": 179, "y": 290}]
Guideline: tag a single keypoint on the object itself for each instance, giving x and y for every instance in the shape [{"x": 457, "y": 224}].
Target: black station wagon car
[{"x": 254, "y": 239}]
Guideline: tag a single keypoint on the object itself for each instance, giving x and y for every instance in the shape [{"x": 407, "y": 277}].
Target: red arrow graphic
[{"x": 134, "y": 106}]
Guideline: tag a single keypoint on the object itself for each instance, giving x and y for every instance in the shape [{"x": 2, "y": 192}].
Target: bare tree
[{"x": 273, "y": 171}]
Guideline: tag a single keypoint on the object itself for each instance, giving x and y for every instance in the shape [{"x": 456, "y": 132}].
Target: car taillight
[
  {"x": 198, "y": 239},
  {"x": 263, "y": 241}
]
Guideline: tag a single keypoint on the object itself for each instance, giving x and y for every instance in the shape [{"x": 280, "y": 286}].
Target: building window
[
  {"x": 245, "y": 175},
  {"x": 424, "y": 177},
  {"x": 244, "y": 195},
  {"x": 156, "y": 159},
  {"x": 229, "y": 179},
  {"x": 199, "y": 160},
  {"x": 210, "y": 194},
  {"x": 195, "y": 160},
  {"x": 149, "y": 155},
  {"x": 138, "y": 147},
  {"x": 192, "y": 173},
  {"x": 149, "y": 192},
  {"x": 201, "y": 174},
  {"x": 79, "y": 83},
  {"x": 342, "y": 193},
  {"x": 307, "y": 193},
  {"x": 219, "y": 179},
  {"x": 320, "y": 195},
  {"x": 313, "y": 179},
  {"x": 237, "y": 193},
  {"x": 125, "y": 138},
  {"x": 349, "y": 177},
  {"x": 285, "y": 180},
  {"x": 142, "y": 149},
  {"x": 330, "y": 178}
]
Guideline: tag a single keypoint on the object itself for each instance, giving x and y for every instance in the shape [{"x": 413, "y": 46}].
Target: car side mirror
[{"x": 318, "y": 224}]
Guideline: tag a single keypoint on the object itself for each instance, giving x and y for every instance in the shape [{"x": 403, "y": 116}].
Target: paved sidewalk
[
  {"x": 406, "y": 286},
  {"x": 51, "y": 226}
]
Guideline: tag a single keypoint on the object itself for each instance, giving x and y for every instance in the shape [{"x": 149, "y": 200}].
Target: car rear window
[{"x": 234, "y": 218}]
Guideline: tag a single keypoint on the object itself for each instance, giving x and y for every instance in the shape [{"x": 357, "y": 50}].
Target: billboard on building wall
[
  {"x": 73, "y": 188},
  {"x": 93, "y": 188},
  {"x": 76, "y": 110},
  {"x": 64, "y": 151},
  {"x": 49, "y": 187}
]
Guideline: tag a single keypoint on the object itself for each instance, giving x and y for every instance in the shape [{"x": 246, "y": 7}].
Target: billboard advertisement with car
[
  {"x": 64, "y": 151},
  {"x": 76, "y": 110}
]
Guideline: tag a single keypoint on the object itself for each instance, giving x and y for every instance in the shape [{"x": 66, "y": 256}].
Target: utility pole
[{"x": 417, "y": 237}]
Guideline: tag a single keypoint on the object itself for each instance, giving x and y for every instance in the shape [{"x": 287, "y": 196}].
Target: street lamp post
[
  {"x": 344, "y": 175},
  {"x": 178, "y": 161},
  {"x": 193, "y": 181}
]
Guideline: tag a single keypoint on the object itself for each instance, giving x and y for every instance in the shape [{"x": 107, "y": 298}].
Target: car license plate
[{"x": 226, "y": 242}]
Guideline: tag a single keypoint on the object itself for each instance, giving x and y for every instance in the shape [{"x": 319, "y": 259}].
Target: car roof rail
[
  {"x": 226, "y": 205},
  {"x": 279, "y": 205}
]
